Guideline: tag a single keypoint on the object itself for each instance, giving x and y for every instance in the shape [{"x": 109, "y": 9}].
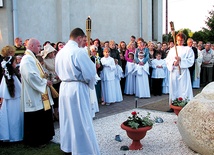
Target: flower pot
[
  {"x": 136, "y": 135},
  {"x": 176, "y": 109}
]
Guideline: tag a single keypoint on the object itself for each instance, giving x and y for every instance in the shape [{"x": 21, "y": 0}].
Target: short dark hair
[
  {"x": 46, "y": 42},
  {"x": 171, "y": 41},
  {"x": 133, "y": 37},
  {"x": 77, "y": 32},
  {"x": 158, "y": 53}
]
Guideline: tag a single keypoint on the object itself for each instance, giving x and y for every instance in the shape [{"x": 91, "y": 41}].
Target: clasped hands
[
  {"x": 159, "y": 66},
  {"x": 141, "y": 63}
]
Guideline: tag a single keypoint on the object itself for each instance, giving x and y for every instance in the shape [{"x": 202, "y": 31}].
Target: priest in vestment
[{"x": 38, "y": 118}]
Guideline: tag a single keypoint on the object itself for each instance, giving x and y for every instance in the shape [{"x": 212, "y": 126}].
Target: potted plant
[
  {"x": 178, "y": 104},
  {"x": 136, "y": 128}
]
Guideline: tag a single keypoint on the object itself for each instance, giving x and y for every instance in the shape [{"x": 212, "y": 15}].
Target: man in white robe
[
  {"x": 180, "y": 84},
  {"x": 77, "y": 73}
]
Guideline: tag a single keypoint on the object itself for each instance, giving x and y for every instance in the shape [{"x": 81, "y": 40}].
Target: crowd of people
[{"x": 86, "y": 77}]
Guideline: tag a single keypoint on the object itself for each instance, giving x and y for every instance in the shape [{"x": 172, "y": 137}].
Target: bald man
[{"x": 36, "y": 99}]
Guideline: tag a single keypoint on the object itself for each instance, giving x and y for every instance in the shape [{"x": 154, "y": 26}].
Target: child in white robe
[
  {"x": 11, "y": 117},
  {"x": 158, "y": 74},
  {"x": 142, "y": 81},
  {"x": 118, "y": 76},
  {"x": 108, "y": 78},
  {"x": 165, "y": 84},
  {"x": 130, "y": 78}
]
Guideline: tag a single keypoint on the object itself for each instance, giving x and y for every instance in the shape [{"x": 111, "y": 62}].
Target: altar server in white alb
[
  {"x": 130, "y": 78},
  {"x": 142, "y": 81},
  {"x": 78, "y": 74},
  {"x": 158, "y": 74},
  {"x": 108, "y": 78},
  {"x": 180, "y": 84},
  {"x": 118, "y": 76}
]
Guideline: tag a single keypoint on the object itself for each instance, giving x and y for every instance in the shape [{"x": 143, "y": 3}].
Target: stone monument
[{"x": 196, "y": 122}]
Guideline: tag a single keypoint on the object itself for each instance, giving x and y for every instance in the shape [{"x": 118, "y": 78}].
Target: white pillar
[
  {"x": 147, "y": 20},
  {"x": 15, "y": 20},
  {"x": 158, "y": 20},
  {"x": 63, "y": 18}
]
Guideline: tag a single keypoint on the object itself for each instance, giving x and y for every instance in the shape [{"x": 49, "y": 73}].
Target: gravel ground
[{"x": 163, "y": 139}]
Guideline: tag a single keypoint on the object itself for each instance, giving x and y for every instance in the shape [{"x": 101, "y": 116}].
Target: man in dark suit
[{"x": 192, "y": 68}]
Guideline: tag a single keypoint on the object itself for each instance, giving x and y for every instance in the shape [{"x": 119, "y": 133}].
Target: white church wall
[{"x": 54, "y": 19}]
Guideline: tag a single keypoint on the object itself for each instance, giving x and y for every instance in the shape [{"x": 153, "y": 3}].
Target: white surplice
[
  {"x": 180, "y": 85},
  {"x": 118, "y": 76},
  {"x": 11, "y": 117},
  {"x": 108, "y": 79},
  {"x": 93, "y": 99},
  {"x": 130, "y": 79},
  {"x": 142, "y": 80},
  {"x": 158, "y": 72},
  {"x": 32, "y": 84},
  {"x": 165, "y": 84},
  {"x": 94, "y": 102},
  {"x": 77, "y": 73}
]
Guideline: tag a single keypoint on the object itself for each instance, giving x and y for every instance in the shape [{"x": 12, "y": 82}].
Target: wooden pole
[
  {"x": 88, "y": 33},
  {"x": 173, "y": 34}
]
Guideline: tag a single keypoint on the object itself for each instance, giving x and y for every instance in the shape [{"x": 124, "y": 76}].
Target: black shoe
[
  {"x": 67, "y": 153},
  {"x": 170, "y": 110}
]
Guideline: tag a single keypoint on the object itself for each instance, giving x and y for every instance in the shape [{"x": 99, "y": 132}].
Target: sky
[{"x": 190, "y": 14}]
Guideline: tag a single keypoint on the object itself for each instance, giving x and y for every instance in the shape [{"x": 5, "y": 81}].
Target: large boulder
[{"x": 196, "y": 122}]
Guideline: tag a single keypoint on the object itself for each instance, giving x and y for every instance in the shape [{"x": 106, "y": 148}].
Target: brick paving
[{"x": 129, "y": 102}]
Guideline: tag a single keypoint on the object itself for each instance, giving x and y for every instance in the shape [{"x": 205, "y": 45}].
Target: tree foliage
[
  {"x": 209, "y": 30},
  {"x": 198, "y": 36}
]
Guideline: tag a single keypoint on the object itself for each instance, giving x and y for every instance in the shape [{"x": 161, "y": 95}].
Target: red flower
[
  {"x": 180, "y": 99},
  {"x": 134, "y": 113}
]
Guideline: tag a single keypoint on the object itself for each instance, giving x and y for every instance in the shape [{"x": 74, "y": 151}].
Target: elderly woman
[
  {"x": 95, "y": 94},
  {"x": 49, "y": 64}
]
